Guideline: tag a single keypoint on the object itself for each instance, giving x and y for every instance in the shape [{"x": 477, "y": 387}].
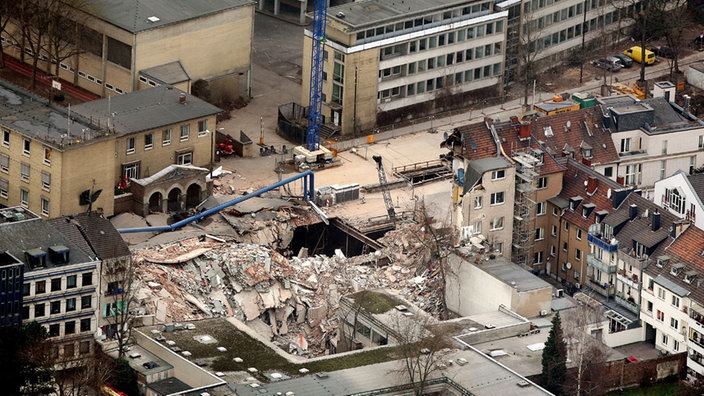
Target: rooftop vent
[
  {"x": 59, "y": 254},
  {"x": 153, "y": 18}
]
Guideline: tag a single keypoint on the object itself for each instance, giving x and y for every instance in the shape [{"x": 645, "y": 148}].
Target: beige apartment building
[
  {"x": 53, "y": 163},
  {"x": 128, "y": 46},
  {"x": 386, "y": 61}
]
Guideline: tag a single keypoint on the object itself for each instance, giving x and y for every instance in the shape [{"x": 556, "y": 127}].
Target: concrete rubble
[{"x": 292, "y": 301}]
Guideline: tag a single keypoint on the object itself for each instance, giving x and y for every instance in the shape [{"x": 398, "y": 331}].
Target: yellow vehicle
[{"x": 636, "y": 53}]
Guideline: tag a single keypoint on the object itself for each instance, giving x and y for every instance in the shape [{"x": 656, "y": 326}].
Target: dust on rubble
[{"x": 293, "y": 301}]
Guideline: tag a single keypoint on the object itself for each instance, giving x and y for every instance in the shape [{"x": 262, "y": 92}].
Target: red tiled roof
[
  {"x": 573, "y": 185},
  {"x": 585, "y": 128}
]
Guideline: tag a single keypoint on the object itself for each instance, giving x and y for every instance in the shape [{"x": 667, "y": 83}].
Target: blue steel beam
[{"x": 308, "y": 189}]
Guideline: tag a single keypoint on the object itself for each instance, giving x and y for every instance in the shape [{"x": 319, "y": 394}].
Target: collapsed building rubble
[{"x": 292, "y": 301}]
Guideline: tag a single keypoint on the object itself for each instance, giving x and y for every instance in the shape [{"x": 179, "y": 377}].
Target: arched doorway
[
  {"x": 174, "y": 202},
  {"x": 155, "y": 202},
  {"x": 192, "y": 196}
]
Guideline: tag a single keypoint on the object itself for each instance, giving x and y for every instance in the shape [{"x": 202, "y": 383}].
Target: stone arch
[
  {"x": 193, "y": 195},
  {"x": 174, "y": 200},
  {"x": 156, "y": 202}
]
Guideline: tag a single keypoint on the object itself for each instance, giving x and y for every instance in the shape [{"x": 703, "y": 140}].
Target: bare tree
[
  {"x": 529, "y": 40},
  {"x": 420, "y": 350},
  {"x": 8, "y": 11},
  {"x": 673, "y": 21},
  {"x": 582, "y": 347},
  {"x": 76, "y": 376},
  {"x": 122, "y": 284},
  {"x": 64, "y": 31},
  {"x": 437, "y": 240}
]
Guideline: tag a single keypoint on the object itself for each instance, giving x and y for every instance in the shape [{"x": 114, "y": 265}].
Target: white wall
[{"x": 680, "y": 182}]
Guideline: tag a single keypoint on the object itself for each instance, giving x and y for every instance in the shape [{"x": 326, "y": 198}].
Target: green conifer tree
[{"x": 555, "y": 358}]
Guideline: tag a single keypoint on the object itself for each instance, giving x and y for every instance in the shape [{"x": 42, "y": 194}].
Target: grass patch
[
  {"x": 660, "y": 389},
  {"x": 255, "y": 354},
  {"x": 375, "y": 302}
]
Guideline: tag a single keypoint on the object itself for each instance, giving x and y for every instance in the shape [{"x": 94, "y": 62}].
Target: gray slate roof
[
  {"x": 169, "y": 73},
  {"x": 697, "y": 182},
  {"x": 131, "y": 15},
  {"x": 370, "y": 12},
  {"x": 147, "y": 109},
  {"x": 95, "y": 232},
  {"x": 479, "y": 167},
  {"x": 18, "y": 237}
]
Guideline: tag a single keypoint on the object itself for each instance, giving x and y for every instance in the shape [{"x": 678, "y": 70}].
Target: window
[
  {"x": 578, "y": 255},
  {"x": 47, "y": 156},
  {"x": 39, "y": 310},
  {"x": 609, "y": 171},
  {"x": 131, "y": 170},
  {"x": 674, "y": 323},
  {"x": 69, "y": 351},
  {"x": 148, "y": 141},
  {"x": 555, "y": 211},
  {"x": 70, "y": 327},
  {"x": 84, "y": 347},
  {"x": 567, "y": 226},
  {"x": 554, "y": 230},
  {"x": 184, "y": 158},
  {"x": 552, "y": 250},
  {"x": 202, "y": 128},
  {"x": 676, "y": 345},
  {"x": 497, "y": 198},
  {"x": 542, "y": 182},
  {"x": 24, "y": 198},
  {"x": 45, "y": 206},
  {"x": 26, "y": 146},
  {"x": 661, "y": 315},
  {"x": 538, "y": 257},
  {"x": 633, "y": 174},
  {"x": 498, "y": 247},
  {"x": 692, "y": 160},
  {"x": 25, "y": 312},
  {"x": 498, "y": 174},
  {"x": 55, "y": 307},
  {"x": 564, "y": 246},
  {"x": 86, "y": 279},
  {"x": 4, "y": 163},
  {"x": 664, "y": 147},
  {"x": 675, "y": 301},
  {"x": 71, "y": 281},
  {"x": 579, "y": 234},
  {"x": 478, "y": 202},
  {"x": 85, "y": 324},
  {"x": 40, "y": 287},
  {"x": 662, "y": 169},
  {"x": 649, "y": 306},
  {"x": 56, "y": 284},
  {"x": 54, "y": 330},
  {"x": 539, "y": 234},
  {"x": 497, "y": 223},
  {"x": 86, "y": 302},
  {"x": 185, "y": 131},
  {"x": 130, "y": 145},
  {"x": 46, "y": 181},
  {"x": 661, "y": 293},
  {"x": 70, "y": 304},
  {"x": 25, "y": 289},
  {"x": 541, "y": 208},
  {"x": 664, "y": 339},
  {"x": 6, "y": 137},
  {"x": 701, "y": 142},
  {"x": 477, "y": 227},
  {"x": 24, "y": 172},
  {"x": 166, "y": 137},
  {"x": 625, "y": 145},
  {"x": 4, "y": 187}
]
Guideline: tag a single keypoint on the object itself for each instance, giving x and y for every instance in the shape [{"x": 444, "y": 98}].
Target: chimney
[
  {"x": 592, "y": 184},
  {"x": 656, "y": 221},
  {"x": 182, "y": 98},
  {"x": 524, "y": 131},
  {"x": 632, "y": 212}
]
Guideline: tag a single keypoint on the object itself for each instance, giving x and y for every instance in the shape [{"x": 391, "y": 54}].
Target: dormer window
[
  {"x": 587, "y": 209},
  {"x": 587, "y": 153},
  {"x": 676, "y": 269},
  {"x": 662, "y": 260},
  {"x": 574, "y": 203},
  {"x": 690, "y": 276}
]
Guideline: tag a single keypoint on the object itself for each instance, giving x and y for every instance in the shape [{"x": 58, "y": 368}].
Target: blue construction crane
[{"x": 315, "y": 104}]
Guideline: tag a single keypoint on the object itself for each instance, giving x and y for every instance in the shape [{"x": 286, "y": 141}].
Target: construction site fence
[{"x": 286, "y": 122}]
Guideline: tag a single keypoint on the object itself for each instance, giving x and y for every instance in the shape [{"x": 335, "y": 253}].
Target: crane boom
[
  {"x": 385, "y": 189},
  {"x": 316, "y": 75}
]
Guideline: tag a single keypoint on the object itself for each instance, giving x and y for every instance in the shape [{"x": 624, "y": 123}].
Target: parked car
[
  {"x": 636, "y": 53},
  {"x": 610, "y": 63},
  {"x": 663, "y": 51},
  {"x": 624, "y": 60}
]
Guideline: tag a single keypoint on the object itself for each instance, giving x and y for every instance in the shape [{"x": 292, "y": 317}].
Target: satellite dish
[
  {"x": 569, "y": 124},
  {"x": 568, "y": 265},
  {"x": 608, "y": 194}
]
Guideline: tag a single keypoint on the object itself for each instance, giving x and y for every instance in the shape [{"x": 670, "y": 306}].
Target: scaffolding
[{"x": 528, "y": 162}]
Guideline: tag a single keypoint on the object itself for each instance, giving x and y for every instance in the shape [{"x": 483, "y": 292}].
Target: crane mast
[
  {"x": 316, "y": 76},
  {"x": 385, "y": 189}
]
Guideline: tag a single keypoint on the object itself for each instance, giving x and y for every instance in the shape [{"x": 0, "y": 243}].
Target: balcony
[
  {"x": 629, "y": 280},
  {"x": 602, "y": 242},
  {"x": 624, "y": 302},
  {"x": 696, "y": 364},
  {"x": 635, "y": 262},
  {"x": 605, "y": 290},
  {"x": 697, "y": 319},
  {"x": 600, "y": 265}
]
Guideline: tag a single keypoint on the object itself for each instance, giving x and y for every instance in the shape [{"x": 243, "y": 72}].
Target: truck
[{"x": 636, "y": 53}]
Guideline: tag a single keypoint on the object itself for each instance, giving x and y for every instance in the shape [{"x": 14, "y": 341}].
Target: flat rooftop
[
  {"x": 511, "y": 274},
  {"x": 368, "y": 13},
  {"x": 480, "y": 376}
]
